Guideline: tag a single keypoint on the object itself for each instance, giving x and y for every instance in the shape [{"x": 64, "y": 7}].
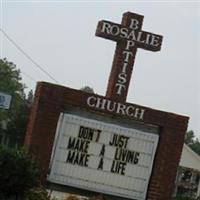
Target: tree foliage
[
  {"x": 87, "y": 89},
  {"x": 17, "y": 116},
  {"x": 192, "y": 141},
  {"x": 185, "y": 198},
  {"x": 10, "y": 83},
  {"x": 37, "y": 193},
  {"x": 18, "y": 173}
]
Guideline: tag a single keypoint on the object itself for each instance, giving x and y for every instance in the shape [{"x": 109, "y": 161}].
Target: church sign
[
  {"x": 102, "y": 157},
  {"x": 90, "y": 144}
]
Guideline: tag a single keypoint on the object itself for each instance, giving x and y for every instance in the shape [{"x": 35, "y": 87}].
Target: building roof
[{"x": 189, "y": 158}]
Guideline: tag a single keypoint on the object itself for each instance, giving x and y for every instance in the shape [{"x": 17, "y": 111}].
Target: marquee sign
[{"x": 102, "y": 157}]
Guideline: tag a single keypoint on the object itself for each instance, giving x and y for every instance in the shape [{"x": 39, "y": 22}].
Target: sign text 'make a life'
[{"x": 129, "y": 37}]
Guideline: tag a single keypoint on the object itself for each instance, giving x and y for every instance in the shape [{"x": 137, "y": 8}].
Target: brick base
[{"x": 51, "y": 100}]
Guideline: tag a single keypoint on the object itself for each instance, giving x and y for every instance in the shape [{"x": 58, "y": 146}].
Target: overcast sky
[{"x": 60, "y": 36}]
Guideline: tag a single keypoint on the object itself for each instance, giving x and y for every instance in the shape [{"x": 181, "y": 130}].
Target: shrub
[
  {"x": 18, "y": 173},
  {"x": 38, "y": 193}
]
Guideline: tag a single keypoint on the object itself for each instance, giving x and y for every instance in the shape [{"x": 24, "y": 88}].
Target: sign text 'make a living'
[{"x": 129, "y": 37}]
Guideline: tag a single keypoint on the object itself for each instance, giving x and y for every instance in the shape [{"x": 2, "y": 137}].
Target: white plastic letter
[
  {"x": 128, "y": 54},
  {"x": 139, "y": 113},
  {"x": 120, "y": 86},
  {"x": 129, "y": 44},
  {"x": 114, "y": 30},
  {"x": 122, "y": 78},
  {"x": 134, "y": 24},
  {"x": 89, "y": 101},
  {"x": 155, "y": 40},
  {"x": 106, "y": 27}
]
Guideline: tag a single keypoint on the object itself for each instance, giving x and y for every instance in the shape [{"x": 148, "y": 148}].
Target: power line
[
  {"x": 27, "y": 56},
  {"x": 28, "y": 76}
]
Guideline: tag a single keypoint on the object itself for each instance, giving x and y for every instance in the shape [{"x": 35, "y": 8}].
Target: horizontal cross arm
[{"x": 118, "y": 32}]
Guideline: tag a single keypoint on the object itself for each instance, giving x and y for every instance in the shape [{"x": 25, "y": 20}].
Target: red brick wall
[{"x": 52, "y": 99}]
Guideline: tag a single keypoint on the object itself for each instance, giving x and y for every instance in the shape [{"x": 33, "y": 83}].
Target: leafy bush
[
  {"x": 18, "y": 173},
  {"x": 38, "y": 193},
  {"x": 183, "y": 198}
]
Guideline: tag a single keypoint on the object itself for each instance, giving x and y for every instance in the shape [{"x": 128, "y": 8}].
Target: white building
[{"x": 188, "y": 175}]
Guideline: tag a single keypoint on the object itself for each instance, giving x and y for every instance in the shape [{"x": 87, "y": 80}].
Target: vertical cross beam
[{"x": 129, "y": 37}]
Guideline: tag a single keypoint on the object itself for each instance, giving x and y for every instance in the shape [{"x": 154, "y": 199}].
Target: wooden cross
[{"x": 129, "y": 37}]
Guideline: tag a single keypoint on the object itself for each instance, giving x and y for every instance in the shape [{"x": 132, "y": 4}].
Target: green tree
[
  {"x": 192, "y": 141},
  {"x": 185, "y": 198},
  {"x": 87, "y": 89},
  {"x": 10, "y": 82},
  {"x": 189, "y": 137},
  {"x": 17, "y": 116},
  {"x": 30, "y": 97},
  {"x": 38, "y": 193},
  {"x": 18, "y": 173}
]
